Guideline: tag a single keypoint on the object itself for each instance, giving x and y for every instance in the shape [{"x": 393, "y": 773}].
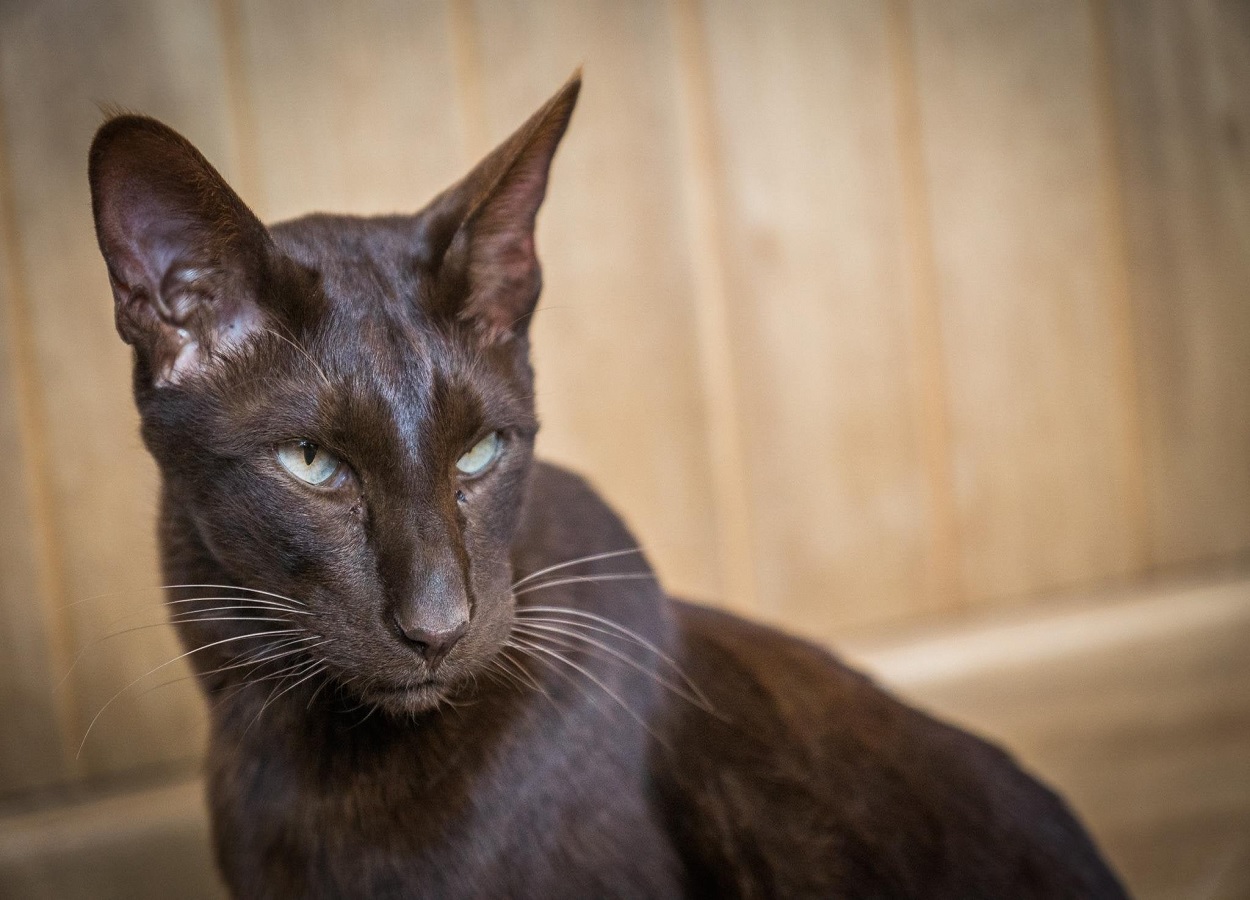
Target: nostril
[{"x": 433, "y": 643}]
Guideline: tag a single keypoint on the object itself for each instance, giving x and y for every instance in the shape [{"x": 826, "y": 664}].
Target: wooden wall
[{"x": 863, "y": 313}]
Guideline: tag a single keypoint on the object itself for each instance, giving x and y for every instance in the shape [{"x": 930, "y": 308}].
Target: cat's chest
[{"x": 516, "y": 819}]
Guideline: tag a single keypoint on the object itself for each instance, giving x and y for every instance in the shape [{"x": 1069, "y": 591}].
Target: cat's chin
[{"x": 410, "y": 700}]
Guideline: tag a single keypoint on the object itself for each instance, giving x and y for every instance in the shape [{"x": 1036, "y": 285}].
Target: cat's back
[{"x": 818, "y": 783}]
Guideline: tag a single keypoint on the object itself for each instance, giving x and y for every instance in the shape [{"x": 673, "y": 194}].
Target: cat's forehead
[{"x": 365, "y": 268}]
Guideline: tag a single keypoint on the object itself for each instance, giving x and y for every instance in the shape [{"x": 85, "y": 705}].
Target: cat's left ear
[{"x": 477, "y": 237}]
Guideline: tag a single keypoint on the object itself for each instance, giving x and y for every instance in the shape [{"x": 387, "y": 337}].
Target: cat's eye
[
  {"x": 480, "y": 455},
  {"x": 308, "y": 462}
]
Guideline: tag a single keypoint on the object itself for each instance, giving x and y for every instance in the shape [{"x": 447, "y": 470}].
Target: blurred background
[{"x": 921, "y": 329}]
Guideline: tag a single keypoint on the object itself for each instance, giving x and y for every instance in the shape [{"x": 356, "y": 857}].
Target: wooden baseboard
[
  {"x": 150, "y": 843},
  {"x": 1136, "y": 707}
]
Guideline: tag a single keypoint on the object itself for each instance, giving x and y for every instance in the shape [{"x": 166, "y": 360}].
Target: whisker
[
  {"x": 373, "y": 707},
  {"x": 590, "y": 675},
  {"x": 307, "y": 355},
  {"x": 235, "y": 587},
  {"x": 299, "y": 665},
  {"x": 262, "y": 605},
  {"x": 162, "y": 624},
  {"x": 504, "y": 664},
  {"x": 177, "y": 587},
  {"x": 252, "y": 603},
  {"x": 585, "y": 579},
  {"x": 624, "y": 632},
  {"x": 274, "y": 694},
  {"x": 523, "y": 672},
  {"x": 96, "y": 718},
  {"x": 573, "y": 562},
  {"x": 291, "y": 673},
  {"x": 529, "y": 630},
  {"x": 253, "y": 663},
  {"x": 258, "y": 654},
  {"x": 228, "y": 692},
  {"x": 325, "y": 681},
  {"x": 495, "y": 671},
  {"x": 527, "y": 652}
]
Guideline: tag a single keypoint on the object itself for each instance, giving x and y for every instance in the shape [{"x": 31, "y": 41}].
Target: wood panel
[
  {"x": 353, "y": 107},
  {"x": 1182, "y": 85},
  {"x": 615, "y": 345},
  {"x": 162, "y": 58},
  {"x": 820, "y": 304},
  {"x": 1045, "y": 468},
  {"x": 31, "y": 745}
]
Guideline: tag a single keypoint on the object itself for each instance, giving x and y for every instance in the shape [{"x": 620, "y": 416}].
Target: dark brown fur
[{"x": 397, "y": 343}]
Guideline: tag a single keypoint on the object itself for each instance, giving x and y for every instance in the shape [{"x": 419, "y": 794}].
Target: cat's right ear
[{"x": 185, "y": 256}]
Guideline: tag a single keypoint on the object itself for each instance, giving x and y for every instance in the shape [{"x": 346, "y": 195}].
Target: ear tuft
[
  {"x": 185, "y": 256},
  {"x": 479, "y": 234}
]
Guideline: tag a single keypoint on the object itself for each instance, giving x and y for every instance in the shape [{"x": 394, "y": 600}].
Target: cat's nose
[{"x": 432, "y": 643}]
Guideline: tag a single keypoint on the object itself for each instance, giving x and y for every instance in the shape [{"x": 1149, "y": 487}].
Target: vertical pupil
[{"x": 310, "y": 451}]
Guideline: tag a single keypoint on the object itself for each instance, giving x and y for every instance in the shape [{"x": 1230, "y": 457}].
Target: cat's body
[
  {"x": 811, "y": 782},
  {"x": 441, "y": 669}
]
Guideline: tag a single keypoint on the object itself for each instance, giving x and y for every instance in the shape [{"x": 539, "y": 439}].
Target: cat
[{"x": 436, "y": 667}]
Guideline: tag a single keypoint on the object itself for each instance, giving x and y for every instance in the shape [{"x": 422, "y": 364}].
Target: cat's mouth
[{"x": 416, "y": 697}]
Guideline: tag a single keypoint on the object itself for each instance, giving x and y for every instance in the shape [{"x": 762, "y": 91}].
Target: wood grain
[
  {"x": 615, "y": 345},
  {"x": 820, "y": 311},
  {"x": 162, "y": 58},
  {"x": 1182, "y": 82},
  {"x": 353, "y": 107},
  {"x": 31, "y": 745},
  {"x": 1026, "y": 275},
  {"x": 702, "y": 183}
]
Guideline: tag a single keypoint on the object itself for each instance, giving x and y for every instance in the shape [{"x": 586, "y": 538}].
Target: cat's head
[{"x": 341, "y": 408}]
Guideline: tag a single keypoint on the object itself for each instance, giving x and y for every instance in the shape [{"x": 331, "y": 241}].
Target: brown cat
[{"x": 438, "y": 668}]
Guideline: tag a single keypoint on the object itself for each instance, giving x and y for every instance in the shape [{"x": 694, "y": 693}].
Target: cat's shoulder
[
  {"x": 835, "y": 782},
  {"x": 565, "y": 516}
]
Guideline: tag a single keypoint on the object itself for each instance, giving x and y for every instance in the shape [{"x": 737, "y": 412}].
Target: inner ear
[
  {"x": 478, "y": 236},
  {"x": 186, "y": 258}
]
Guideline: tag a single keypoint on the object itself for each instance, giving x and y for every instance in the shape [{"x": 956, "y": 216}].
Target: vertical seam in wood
[
  {"x": 929, "y": 372},
  {"x": 1120, "y": 296},
  {"x": 467, "y": 56},
  {"x": 239, "y": 102},
  {"x": 703, "y": 181},
  {"x": 49, "y": 564}
]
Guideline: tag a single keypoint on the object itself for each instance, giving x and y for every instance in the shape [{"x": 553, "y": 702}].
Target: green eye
[
  {"x": 481, "y": 455},
  {"x": 308, "y": 462}
]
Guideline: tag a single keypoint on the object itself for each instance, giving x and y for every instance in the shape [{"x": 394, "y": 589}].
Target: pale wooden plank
[
  {"x": 1039, "y": 398},
  {"x": 353, "y": 106},
  {"x": 615, "y": 344},
  {"x": 1182, "y": 85},
  {"x": 59, "y": 58},
  {"x": 702, "y": 197},
  {"x": 31, "y": 745},
  {"x": 821, "y": 311}
]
